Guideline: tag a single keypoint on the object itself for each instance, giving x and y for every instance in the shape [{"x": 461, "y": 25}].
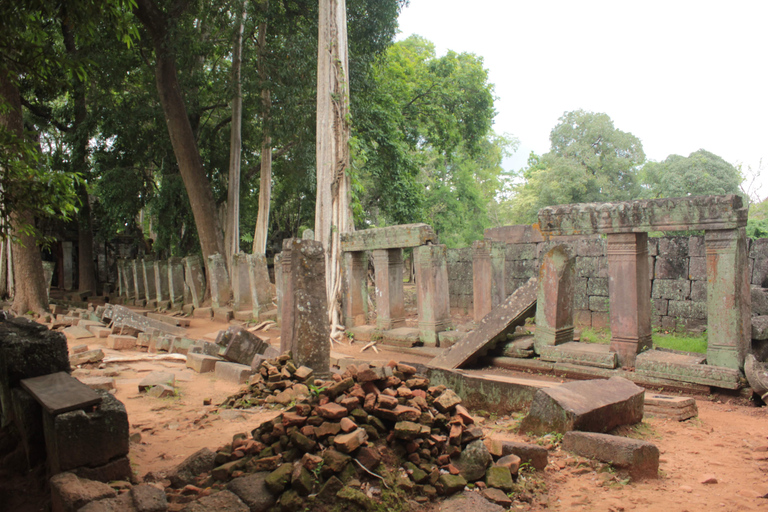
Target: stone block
[
  {"x": 699, "y": 291},
  {"x": 685, "y": 368},
  {"x": 262, "y": 295},
  {"x": 391, "y": 237},
  {"x": 600, "y": 320},
  {"x": 669, "y": 268},
  {"x": 69, "y": 493},
  {"x": 194, "y": 280},
  {"x": 232, "y": 372},
  {"x": 597, "y": 286},
  {"x": 28, "y": 420},
  {"x": 116, "y": 469},
  {"x": 89, "y": 356},
  {"x": 518, "y": 234},
  {"x": 206, "y": 313},
  {"x": 760, "y": 328},
  {"x": 79, "y": 438},
  {"x": 223, "y": 501},
  {"x": 223, "y": 314},
  {"x": 679, "y": 408},
  {"x": 241, "y": 282},
  {"x": 696, "y": 247},
  {"x": 105, "y": 383},
  {"x": 554, "y": 303},
  {"x": 400, "y": 337},
  {"x": 121, "y": 342},
  {"x": 157, "y": 378},
  {"x": 688, "y": 309},
  {"x": 202, "y": 461},
  {"x": 591, "y": 266},
  {"x": 759, "y": 248},
  {"x": 77, "y": 333},
  {"x": 673, "y": 289},
  {"x": 584, "y": 354},
  {"x": 176, "y": 282},
  {"x": 521, "y": 252},
  {"x": 535, "y": 455},
  {"x": 241, "y": 345},
  {"x": 522, "y": 269},
  {"x": 589, "y": 247},
  {"x": 252, "y": 490},
  {"x": 759, "y": 300},
  {"x": 639, "y": 458},
  {"x": 582, "y": 318},
  {"x": 599, "y": 304},
  {"x": 592, "y": 406},
  {"x": 697, "y": 268},
  {"x": 148, "y": 498},
  {"x": 759, "y": 274},
  {"x": 221, "y": 289},
  {"x": 448, "y": 339},
  {"x": 100, "y": 332},
  {"x": 659, "y": 307}
]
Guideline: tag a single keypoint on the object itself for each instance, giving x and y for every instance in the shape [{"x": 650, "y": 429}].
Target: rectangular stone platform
[
  {"x": 678, "y": 408},
  {"x": 391, "y": 237},
  {"x": 685, "y": 368},
  {"x": 400, "y": 337},
  {"x": 60, "y": 392},
  {"x": 587, "y": 354}
]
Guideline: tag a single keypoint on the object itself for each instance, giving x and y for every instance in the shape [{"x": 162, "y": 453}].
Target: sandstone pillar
[
  {"x": 175, "y": 277},
  {"x": 138, "y": 279},
  {"x": 488, "y": 276},
  {"x": 161, "y": 281},
  {"x": 390, "y": 308},
  {"x": 355, "y": 288},
  {"x": 48, "y": 268},
  {"x": 432, "y": 291},
  {"x": 69, "y": 277},
  {"x": 554, "y": 302},
  {"x": 120, "y": 284},
  {"x": 148, "y": 271},
  {"x": 286, "y": 325},
  {"x": 129, "y": 285},
  {"x": 307, "y": 334},
  {"x": 729, "y": 301},
  {"x": 260, "y": 286},
  {"x": 221, "y": 290},
  {"x": 241, "y": 282},
  {"x": 629, "y": 295},
  {"x": 194, "y": 278},
  {"x": 278, "y": 262}
]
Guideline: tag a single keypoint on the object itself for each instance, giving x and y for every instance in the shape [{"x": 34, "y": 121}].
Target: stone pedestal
[
  {"x": 138, "y": 279},
  {"x": 194, "y": 279},
  {"x": 554, "y": 303},
  {"x": 148, "y": 270},
  {"x": 305, "y": 331},
  {"x": 431, "y": 291},
  {"x": 390, "y": 308},
  {"x": 241, "y": 282},
  {"x": 68, "y": 270},
  {"x": 729, "y": 300},
  {"x": 161, "y": 281},
  {"x": 260, "y": 285},
  {"x": 279, "y": 287},
  {"x": 629, "y": 295},
  {"x": 355, "y": 288},
  {"x": 175, "y": 276},
  {"x": 488, "y": 276},
  {"x": 221, "y": 290}
]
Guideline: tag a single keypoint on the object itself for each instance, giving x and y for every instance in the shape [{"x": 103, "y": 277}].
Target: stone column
[
  {"x": 69, "y": 277},
  {"x": 554, "y": 302},
  {"x": 729, "y": 302},
  {"x": 48, "y": 267},
  {"x": 260, "y": 285},
  {"x": 161, "y": 281},
  {"x": 194, "y": 278},
  {"x": 308, "y": 331},
  {"x": 129, "y": 284},
  {"x": 120, "y": 285},
  {"x": 390, "y": 308},
  {"x": 278, "y": 262},
  {"x": 175, "y": 277},
  {"x": 286, "y": 324},
  {"x": 354, "y": 288},
  {"x": 629, "y": 295},
  {"x": 488, "y": 276},
  {"x": 221, "y": 290},
  {"x": 148, "y": 269},
  {"x": 138, "y": 279},
  {"x": 241, "y": 282},
  {"x": 432, "y": 291}
]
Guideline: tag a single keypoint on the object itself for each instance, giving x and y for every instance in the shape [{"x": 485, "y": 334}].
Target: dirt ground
[{"x": 727, "y": 443}]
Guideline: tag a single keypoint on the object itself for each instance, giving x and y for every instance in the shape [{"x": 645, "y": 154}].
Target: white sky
[{"x": 680, "y": 75}]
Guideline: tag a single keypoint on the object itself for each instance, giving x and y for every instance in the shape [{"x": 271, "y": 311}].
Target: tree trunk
[
  {"x": 232, "y": 232},
  {"x": 29, "y": 283},
  {"x": 332, "y": 210},
  {"x": 180, "y": 131},
  {"x": 265, "y": 179}
]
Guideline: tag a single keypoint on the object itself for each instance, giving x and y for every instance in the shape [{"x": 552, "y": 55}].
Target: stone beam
[
  {"x": 391, "y": 237},
  {"x": 673, "y": 214}
]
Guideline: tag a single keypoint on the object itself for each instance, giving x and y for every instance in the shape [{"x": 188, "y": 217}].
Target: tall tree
[
  {"x": 159, "y": 25},
  {"x": 265, "y": 175},
  {"x": 332, "y": 212},
  {"x": 701, "y": 173}
]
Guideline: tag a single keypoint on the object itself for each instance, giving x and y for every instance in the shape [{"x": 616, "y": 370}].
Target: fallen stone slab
[
  {"x": 206, "y": 313},
  {"x": 494, "y": 327},
  {"x": 202, "y": 363},
  {"x": 400, "y": 337},
  {"x": 89, "y": 356},
  {"x": 678, "y": 408},
  {"x": 77, "y": 333},
  {"x": 161, "y": 391},
  {"x": 241, "y": 345},
  {"x": 590, "y": 405},
  {"x": 252, "y": 490},
  {"x": 202, "y": 461},
  {"x": 121, "y": 342},
  {"x": 533, "y": 454},
  {"x": 157, "y": 379},
  {"x": 70, "y": 493},
  {"x": 685, "y": 368},
  {"x": 585, "y": 354},
  {"x": 232, "y": 372},
  {"x": 105, "y": 383},
  {"x": 122, "y": 316},
  {"x": 639, "y": 458},
  {"x": 100, "y": 331}
]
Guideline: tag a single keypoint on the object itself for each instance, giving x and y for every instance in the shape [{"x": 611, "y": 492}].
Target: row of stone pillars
[{"x": 161, "y": 283}]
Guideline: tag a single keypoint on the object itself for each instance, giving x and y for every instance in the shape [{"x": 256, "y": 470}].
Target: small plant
[{"x": 316, "y": 390}]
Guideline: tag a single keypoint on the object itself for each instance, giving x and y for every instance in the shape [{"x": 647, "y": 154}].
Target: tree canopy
[{"x": 701, "y": 173}]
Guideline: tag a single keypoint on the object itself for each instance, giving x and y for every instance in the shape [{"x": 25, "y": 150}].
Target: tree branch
[
  {"x": 255, "y": 169},
  {"x": 44, "y": 112}
]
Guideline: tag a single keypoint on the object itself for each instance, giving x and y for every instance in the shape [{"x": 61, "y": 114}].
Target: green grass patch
[{"x": 672, "y": 340}]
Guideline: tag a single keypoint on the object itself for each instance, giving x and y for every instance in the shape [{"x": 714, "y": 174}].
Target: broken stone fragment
[
  {"x": 451, "y": 484},
  {"x": 474, "y": 460},
  {"x": 447, "y": 400},
  {"x": 252, "y": 490},
  {"x": 500, "y": 478},
  {"x": 332, "y": 411},
  {"x": 347, "y": 443},
  {"x": 334, "y": 460},
  {"x": 279, "y": 479}
]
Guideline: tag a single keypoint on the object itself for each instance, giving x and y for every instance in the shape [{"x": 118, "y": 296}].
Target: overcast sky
[{"x": 680, "y": 75}]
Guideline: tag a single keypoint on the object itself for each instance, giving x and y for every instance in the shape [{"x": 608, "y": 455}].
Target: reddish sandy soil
[{"x": 729, "y": 440}]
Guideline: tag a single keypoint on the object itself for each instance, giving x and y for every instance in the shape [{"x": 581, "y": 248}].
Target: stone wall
[{"x": 678, "y": 278}]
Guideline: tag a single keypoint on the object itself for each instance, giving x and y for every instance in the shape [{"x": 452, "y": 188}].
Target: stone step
[
  {"x": 364, "y": 333},
  {"x": 586, "y": 354},
  {"x": 400, "y": 337},
  {"x": 685, "y": 368}
]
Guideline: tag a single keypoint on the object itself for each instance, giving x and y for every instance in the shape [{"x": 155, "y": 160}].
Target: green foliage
[
  {"x": 757, "y": 223},
  {"x": 664, "y": 339},
  {"x": 589, "y": 161},
  {"x": 701, "y": 173}
]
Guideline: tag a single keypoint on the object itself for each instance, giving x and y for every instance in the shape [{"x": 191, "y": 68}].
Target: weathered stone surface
[
  {"x": 672, "y": 214},
  {"x": 391, "y": 237},
  {"x": 194, "y": 279},
  {"x": 157, "y": 378},
  {"x": 469, "y": 501},
  {"x": 685, "y": 368},
  {"x": 241, "y": 345},
  {"x": 499, "y": 478},
  {"x": 202, "y": 363},
  {"x": 90, "y": 356},
  {"x": 347, "y": 443},
  {"x": 241, "y": 282},
  {"x": 122, "y": 316},
  {"x": 201, "y": 461},
  {"x": 78, "y": 438},
  {"x": 554, "y": 306},
  {"x": 474, "y": 460},
  {"x": 232, "y": 372},
  {"x": 488, "y": 271},
  {"x": 640, "y": 458},
  {"x": 305, "y": 331},
  {"x": 432, "y": 292},
  {"x": 585, "y": 354},
  {"x": 115, "y": 469},
  {"x": 493, "y": 328},
  {"x": 592, "y": 406},
  {"x": 390, "y": 307},
  {"x": 533, "y": 454},
  {"x": 77, "y": 333},
  {"x": 221, "y": 290},
  {"x": 354, "y": 287},
  {"x": 253, "y": 491},
  {"x": 400, "y": 337},
  {"x": 70, "y": 493},
  {"x": 222, "y": 501},
  {"x": 451, "y": 484},
  {"x": 121, "y": 342},
  {"x": 148, "y": 498},
  {"x": 760, "y": 327},
  {"x": 519, "y": 234},
  {"x": 678, "y": 408}
]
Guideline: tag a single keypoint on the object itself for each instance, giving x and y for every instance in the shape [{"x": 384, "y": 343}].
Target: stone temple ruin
[{"x": 421, "y": 410}]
